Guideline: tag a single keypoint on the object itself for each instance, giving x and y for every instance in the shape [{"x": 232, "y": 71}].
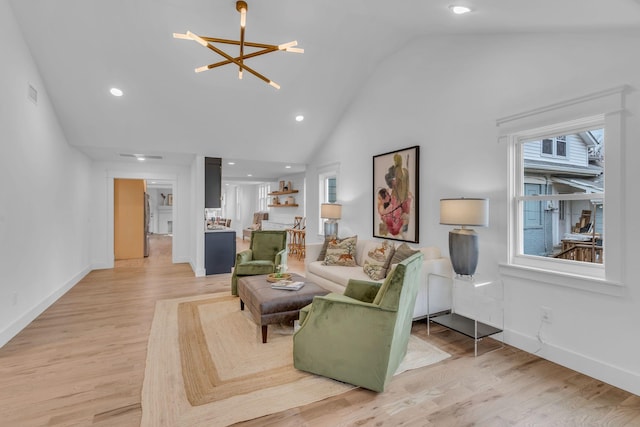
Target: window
[
  {"x": 330, "y": 185},
  {"x": 263, "y": 196},
  {"x": 562, "y": 229},
  {"x": 328, "y": 189},
  {"x": 554, "y": 147}
]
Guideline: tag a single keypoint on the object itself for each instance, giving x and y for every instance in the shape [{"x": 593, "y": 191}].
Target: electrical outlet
[{"x": 546, "y": 315}]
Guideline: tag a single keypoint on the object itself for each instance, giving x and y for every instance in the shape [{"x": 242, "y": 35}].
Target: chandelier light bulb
[
  {"x": 459, "y": 10},
  {"x": 285, "y": 46},
  {"x": 242, "y": 7}
]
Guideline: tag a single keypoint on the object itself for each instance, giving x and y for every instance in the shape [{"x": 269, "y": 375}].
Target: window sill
[{"x": 568, "y": 280}]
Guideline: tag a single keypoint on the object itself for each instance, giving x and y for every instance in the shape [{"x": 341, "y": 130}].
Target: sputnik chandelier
[{"x": 241, "y": 6}]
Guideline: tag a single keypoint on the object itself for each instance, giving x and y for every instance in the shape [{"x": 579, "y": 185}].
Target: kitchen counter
[
  {"x": 219, "y": 230},
  {"x": 219, "y": 250}
]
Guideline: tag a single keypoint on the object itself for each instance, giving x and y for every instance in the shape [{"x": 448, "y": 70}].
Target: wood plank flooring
[{"x": 82, "y": 363}]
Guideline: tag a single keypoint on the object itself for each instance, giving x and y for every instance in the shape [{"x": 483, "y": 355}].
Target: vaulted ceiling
[{"x": 84, "y": 47}]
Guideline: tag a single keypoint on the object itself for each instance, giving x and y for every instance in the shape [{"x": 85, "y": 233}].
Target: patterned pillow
[
  {"x": 377, "y": 259},
  {"x": 341, "y": 252},
  {"x": 323, "y": 251},
  {"x": 403, "y": 252}
]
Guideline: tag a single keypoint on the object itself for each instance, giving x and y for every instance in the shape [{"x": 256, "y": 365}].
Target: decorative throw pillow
[
  {"x": 341, "y": 252},
  {"x": 323, "y": 251},
  {"x": 403, "y": 252},
  {"x": 377, "y": 259}
]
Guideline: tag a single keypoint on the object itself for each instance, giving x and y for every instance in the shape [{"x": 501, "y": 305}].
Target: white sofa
[{"x": 436, "y": 271}]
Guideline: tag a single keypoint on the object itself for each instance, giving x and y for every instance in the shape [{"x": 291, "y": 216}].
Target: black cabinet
[
  {"x": 212, "y": 182},
  {"x": 219, "y": 251}
]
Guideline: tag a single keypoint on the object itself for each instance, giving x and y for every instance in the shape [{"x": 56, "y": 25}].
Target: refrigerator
[{"x": 147, "y": 218}]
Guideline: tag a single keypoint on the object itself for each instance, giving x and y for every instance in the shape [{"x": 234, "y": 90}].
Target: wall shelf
[
  {"x": 284, "y": 205},
  {"x": 280, "y": 193}
]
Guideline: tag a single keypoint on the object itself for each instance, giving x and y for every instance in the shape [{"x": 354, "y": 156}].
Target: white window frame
[
  {"x": 324, "y": 173},
  {"x": 263, "y": 196},
  {"x": 519, "y": 198},
  {"x": 605, "y": 108}
]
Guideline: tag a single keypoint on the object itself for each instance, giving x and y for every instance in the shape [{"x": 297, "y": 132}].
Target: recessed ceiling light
[
  {"x": 299, "y": 118},
  {"x": 116, "y": 92},
  {"x": 249, "y": 174},
  {"x": 231, "y": 163},
  {"x": 287, "y": 167},
  {"x": 141, "y": 159},
  {"x": 459, "y": 10}
]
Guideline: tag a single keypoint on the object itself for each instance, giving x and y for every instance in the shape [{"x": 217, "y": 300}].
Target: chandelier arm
[
  {"x": 237, "y": 42},
  {"x": 251, "y": 70},
  {"x": 247, "y": 56},
  {"x": 241, "y": 50}
]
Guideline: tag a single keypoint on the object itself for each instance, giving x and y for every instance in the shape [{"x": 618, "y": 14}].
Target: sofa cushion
[
  {"x": 337, "y": 274},
  {"x": 255, "y": 267},
  {"x": 377, "y": 258},
  {"x": 341, "y": 252}
]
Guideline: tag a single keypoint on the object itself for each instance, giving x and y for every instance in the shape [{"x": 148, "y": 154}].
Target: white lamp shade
[
  {"x": 330, "y": 211},
  {"x": 464, "y": 211}
]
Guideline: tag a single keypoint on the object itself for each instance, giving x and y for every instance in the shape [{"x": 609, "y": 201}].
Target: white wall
[
  {"x": 445, "y": 95},
  {"x": 44, "y": 189},
  {"x": 155, "y": 200}
]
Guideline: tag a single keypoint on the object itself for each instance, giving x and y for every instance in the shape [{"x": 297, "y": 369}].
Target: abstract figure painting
[{"x": 395, "y": 194}]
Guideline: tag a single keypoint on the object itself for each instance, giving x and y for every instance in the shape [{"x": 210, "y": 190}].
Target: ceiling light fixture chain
[{"x": 242, "y": 8}]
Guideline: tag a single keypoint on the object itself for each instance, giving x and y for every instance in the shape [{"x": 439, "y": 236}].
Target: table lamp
[
  {"x": 331, "y": 212},
  {"x": 463, "y": 242}
]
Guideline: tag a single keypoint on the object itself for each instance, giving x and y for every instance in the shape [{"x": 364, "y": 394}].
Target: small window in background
[
  {"x": 561, "y": 148},
  {"x": 331, "y": 189},
  {"x": 328, "y": 189}
]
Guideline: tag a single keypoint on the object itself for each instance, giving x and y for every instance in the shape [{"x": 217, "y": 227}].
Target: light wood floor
[{"x": 82, "y": 363}]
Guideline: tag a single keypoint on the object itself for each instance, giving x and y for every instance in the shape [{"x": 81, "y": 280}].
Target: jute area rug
[{"x": 207, "y": 366}]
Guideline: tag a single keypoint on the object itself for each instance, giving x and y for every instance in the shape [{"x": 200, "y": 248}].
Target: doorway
[{"x": 161, "y": 245}]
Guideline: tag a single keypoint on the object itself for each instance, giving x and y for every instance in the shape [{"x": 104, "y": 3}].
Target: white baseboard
[
  {"x": 23, "y": 321},
  {"x": 603, "y": 371},
  {"x": 101, "y": 266}
]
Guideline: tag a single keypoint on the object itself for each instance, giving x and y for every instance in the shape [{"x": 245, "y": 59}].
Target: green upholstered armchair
[
  {"x": 362, "y": 336},
  {"x": 266, "y": 250}
]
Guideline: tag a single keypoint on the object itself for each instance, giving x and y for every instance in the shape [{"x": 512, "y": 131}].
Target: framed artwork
[{"x": 395, "y": 195}]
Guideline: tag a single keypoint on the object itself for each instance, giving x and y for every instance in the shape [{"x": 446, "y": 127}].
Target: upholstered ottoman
[{"x": 269, "y": 306}]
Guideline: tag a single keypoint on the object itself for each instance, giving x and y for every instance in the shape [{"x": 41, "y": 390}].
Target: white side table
[{"x": 476, "y": 310}]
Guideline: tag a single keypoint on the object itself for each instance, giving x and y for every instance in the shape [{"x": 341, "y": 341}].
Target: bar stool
[
  {"x": 297, "y": 237},
  {"x": 300, "y": 245}
]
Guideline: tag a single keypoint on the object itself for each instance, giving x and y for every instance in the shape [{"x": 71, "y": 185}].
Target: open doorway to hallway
[{"x": 154, "y": 226}]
